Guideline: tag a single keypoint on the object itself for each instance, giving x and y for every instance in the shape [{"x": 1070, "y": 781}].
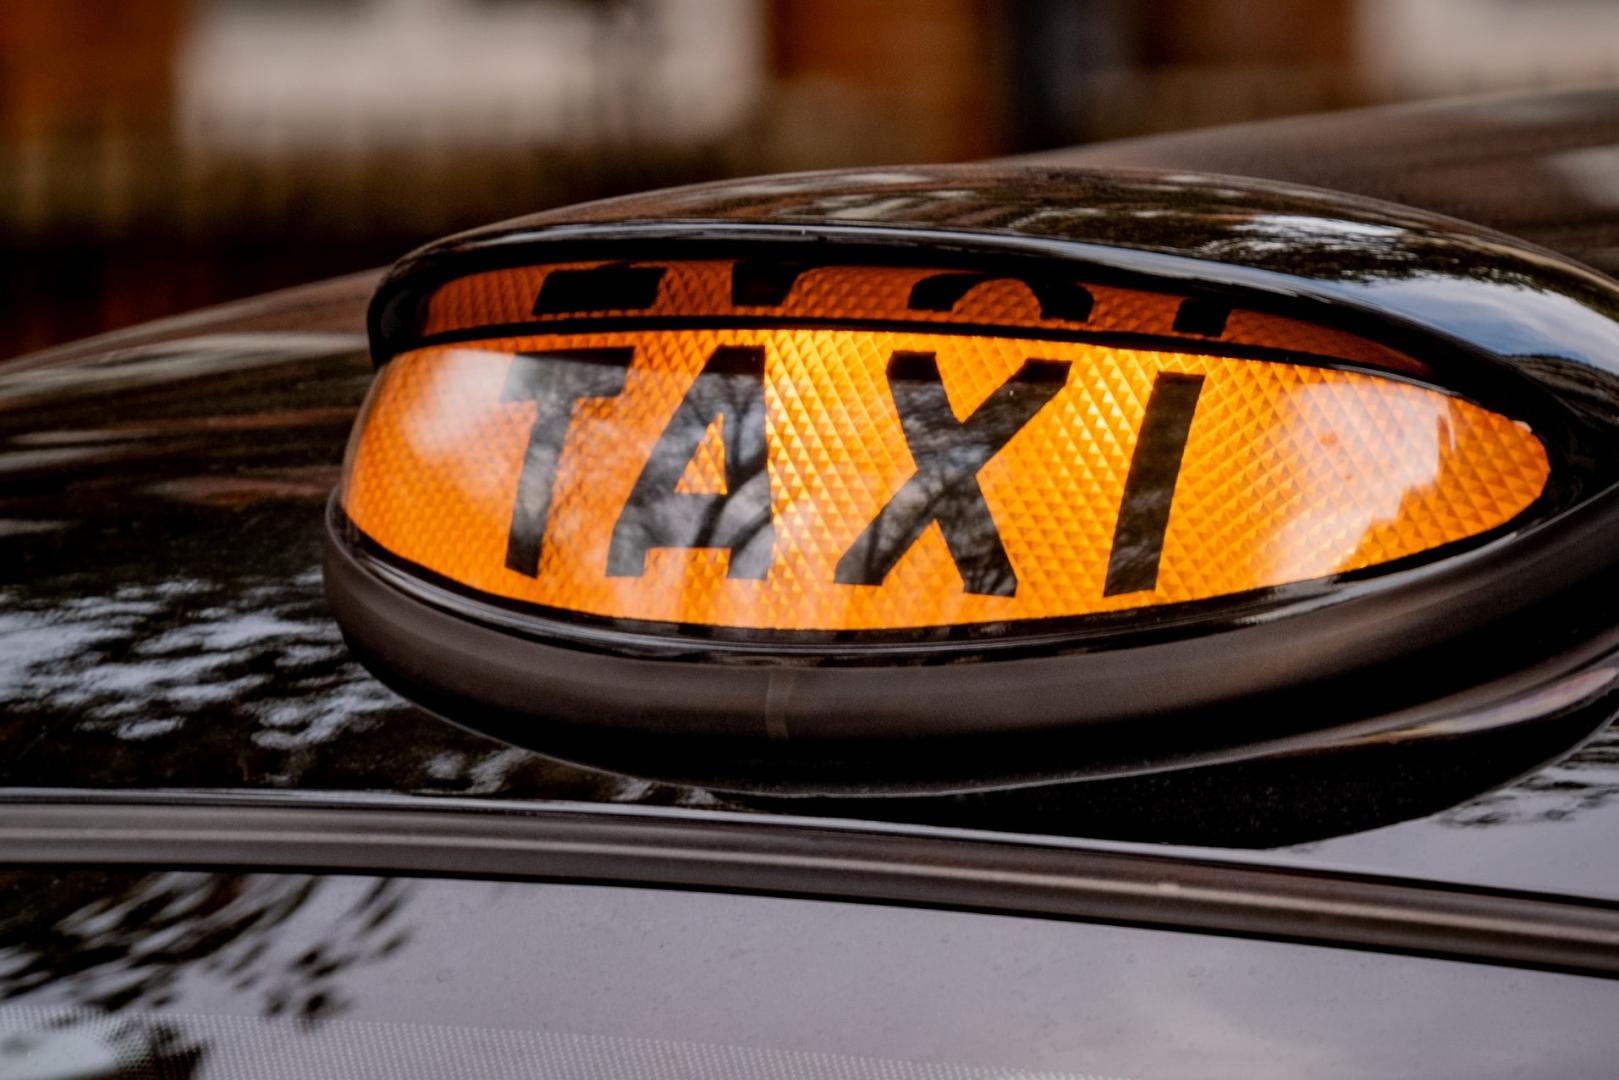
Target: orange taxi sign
[{"x": 822, "y": 448}]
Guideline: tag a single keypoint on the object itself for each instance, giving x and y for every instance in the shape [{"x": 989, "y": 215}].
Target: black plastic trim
[
  {"x": 1051, "y": 636},
  {"x": 1120, "y": 339},
  {"x": 1116, "y": 884}
]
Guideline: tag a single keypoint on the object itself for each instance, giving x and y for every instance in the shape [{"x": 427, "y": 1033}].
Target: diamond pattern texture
[
  {"x": 705, "y": 472},
  {"x": 1290, "y": 473}
]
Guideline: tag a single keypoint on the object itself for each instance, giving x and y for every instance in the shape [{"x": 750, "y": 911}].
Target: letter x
[{"x": 948, "y": 454}]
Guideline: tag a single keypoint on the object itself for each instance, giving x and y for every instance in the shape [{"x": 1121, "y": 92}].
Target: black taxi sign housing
[{"x": 1066, "y": 474}]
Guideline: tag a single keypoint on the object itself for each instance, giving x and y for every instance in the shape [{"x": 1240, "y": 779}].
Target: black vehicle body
[{"x": 180, "y": 715}]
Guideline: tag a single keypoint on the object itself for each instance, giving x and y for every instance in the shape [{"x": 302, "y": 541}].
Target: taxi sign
[
  {"x": 955, "y": 478},
  {"x": 756, "y": 446}
]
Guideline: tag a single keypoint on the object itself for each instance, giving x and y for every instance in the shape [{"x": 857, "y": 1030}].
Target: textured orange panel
[
  {"x": 705, "y": 472},
  {"x": 1289, "y": 473}
]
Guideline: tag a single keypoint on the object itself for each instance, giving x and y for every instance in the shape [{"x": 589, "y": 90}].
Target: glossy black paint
[
  {"x": 224, "y": 973},
  {"x": 163, "y": 622},
  {"x": 1543, "y": 167},
  {"x": 153, "y": 638}
]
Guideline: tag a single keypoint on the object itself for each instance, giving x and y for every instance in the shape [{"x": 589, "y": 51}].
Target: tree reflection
[
  {"x": 90, "y": 960},
  {"x": 1585, "y": 781},
  {"x": 1230, "y": 219},
  {"x": 162, "y": 617},
  {"x": 69, "y": 1046},
  {"x": 108, "y": 942}
]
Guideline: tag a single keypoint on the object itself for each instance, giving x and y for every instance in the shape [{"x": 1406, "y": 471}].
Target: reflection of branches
[
  {"x": 230, "y": 682},
  {"x": 162, "y": 621},
  {"x": 1587, "y": 780},
  {"x": 51, "y": 1043},
  {"x": 1586, "y": 390},
  {"x": 111, "y": 941},
  {"x": 1252, "y": 223}
]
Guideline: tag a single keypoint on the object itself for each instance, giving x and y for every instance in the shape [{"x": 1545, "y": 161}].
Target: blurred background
[{"x": 159, "y": 155}]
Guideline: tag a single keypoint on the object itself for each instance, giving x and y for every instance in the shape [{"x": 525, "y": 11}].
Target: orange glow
[{"x": 1289, "y": 472}]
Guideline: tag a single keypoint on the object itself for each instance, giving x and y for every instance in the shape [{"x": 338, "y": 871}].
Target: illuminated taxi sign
[{"x": 757, "y": 445}]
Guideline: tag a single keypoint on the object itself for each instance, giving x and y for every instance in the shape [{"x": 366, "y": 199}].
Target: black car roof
[{"x": 163, "y": 626}]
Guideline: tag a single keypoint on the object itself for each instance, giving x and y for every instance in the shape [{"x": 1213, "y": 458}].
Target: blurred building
[{"x": 160, "y": 155}]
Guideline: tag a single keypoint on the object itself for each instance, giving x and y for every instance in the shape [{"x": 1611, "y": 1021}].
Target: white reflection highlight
[{"x": 1349, "y": 475}]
